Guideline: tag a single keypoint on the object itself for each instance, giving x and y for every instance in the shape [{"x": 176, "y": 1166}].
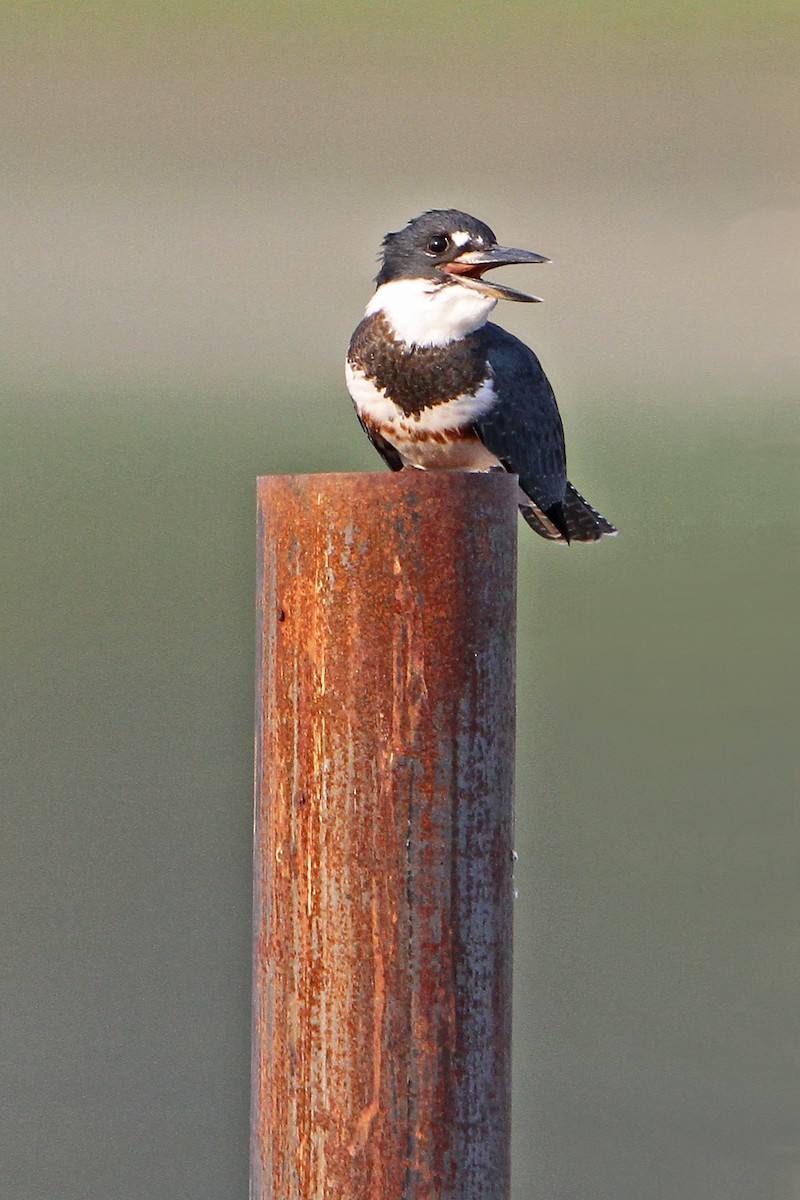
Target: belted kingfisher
[{"x": 438, "y": 387}]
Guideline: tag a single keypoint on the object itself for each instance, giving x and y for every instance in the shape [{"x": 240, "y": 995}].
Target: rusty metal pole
[{"x": 383, "y": 837}]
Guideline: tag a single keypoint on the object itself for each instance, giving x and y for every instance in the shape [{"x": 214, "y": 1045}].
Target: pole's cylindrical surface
[{"x": 383, "y": 837}]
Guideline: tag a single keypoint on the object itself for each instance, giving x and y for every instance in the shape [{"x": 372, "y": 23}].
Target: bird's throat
[{"x": 422, "y": 312}]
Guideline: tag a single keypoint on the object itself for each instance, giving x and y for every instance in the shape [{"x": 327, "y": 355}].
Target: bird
[{"x": 437, "y": 386}]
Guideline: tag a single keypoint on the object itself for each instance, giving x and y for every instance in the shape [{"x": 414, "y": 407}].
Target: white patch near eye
[
  {"x": 422, "y": 312},
  {"x": 460, "y": 238}
]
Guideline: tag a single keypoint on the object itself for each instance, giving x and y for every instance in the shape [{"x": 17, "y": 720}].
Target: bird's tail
[{"x": 572, "y": 520}]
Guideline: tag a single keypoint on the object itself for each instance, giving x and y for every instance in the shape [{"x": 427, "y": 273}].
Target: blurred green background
[{"x": 192, "y": 200}]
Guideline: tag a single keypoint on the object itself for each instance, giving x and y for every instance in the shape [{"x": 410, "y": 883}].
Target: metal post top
[{"x": 487, "y": 484}]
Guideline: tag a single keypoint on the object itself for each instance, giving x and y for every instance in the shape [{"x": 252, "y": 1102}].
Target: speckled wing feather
[
  {"x": 584, "y": 522},
  {"x": 524, "y": 430}
]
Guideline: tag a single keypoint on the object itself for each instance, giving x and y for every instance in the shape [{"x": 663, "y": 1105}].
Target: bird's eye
[{"x": 438, "y": 244}]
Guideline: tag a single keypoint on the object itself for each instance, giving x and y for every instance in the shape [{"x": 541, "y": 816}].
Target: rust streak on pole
[{"x": 383, "y": 837}]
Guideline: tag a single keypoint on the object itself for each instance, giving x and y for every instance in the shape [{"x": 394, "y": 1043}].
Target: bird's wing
[
  {"x": 523, "y": 428},
  {"x": 384, "y": 448}
]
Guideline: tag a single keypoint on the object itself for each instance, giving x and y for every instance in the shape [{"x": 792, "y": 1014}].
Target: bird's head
[{"x": 447, "y": 247}]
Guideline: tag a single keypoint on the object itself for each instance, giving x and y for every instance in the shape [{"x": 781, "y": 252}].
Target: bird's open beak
[{"x": 470, "y": 266}]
